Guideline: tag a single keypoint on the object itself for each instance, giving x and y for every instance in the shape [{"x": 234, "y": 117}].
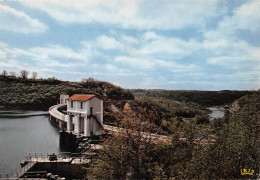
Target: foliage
[
  {"x": 25, "y": 93},
  {"x": 204, "y": 98},
  {"x": 128, "y": 154},
  {"x": 237, "y": 146},
  {"x": 193, "y": 152}
]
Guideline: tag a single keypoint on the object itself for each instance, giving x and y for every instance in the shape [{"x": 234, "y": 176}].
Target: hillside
[
  {"x": 203, "y": 98},
  {"x": 18, "y": 93},
  {"x": 216, "y": 150}
]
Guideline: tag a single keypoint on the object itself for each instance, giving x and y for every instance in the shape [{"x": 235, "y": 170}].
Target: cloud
[
  {"x": 108, "y": 43},
  {"x": 2, "y": 54},
  {"x": 13, "y": 20},
  {"x": 134, "y": 14},
  {"x": 225, "y": 44},
  {"x": 129, "y": 39},
  {"x": 56, "y": 51},
  {"x": 245, "y": 17},
  {"x": 231, "y": 53},
  {"x": 163, "y": 45},
  {"x": 149, "y": 64},
  {"x": 135, "y": 62},
  {"x": 50, "y": 56}
]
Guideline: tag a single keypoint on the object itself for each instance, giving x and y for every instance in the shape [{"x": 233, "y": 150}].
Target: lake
[{"x": 20, "y": 135}]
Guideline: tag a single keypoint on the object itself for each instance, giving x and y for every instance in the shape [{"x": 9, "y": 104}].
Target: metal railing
[
  {"x": 60, "y": 157},
  {"x": 32, "y": 158}
]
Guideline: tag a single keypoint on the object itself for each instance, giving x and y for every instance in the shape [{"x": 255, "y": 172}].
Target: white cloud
[
  {"x": 231, "y": 53},
  {"x": 224, "y": 43},
  {"x": 137, "y": 14},
  {"x": 108, "y": 43},
  {"x": 135, "y": 62},
  {"x": 2, "y": 54},
  {"x": 129, "y": 39},
  {"x": 51, "y": 56},
  {"x": 151, "y": 36},
  {"x": 231, "y": 62},
  {"x": 245, "y": 17},
  {"x": 147, "y": 64},
  {"x": 161, "y": 45},
  {"x": 55, "y": 51},
  {"x": 13, "y": 20}
]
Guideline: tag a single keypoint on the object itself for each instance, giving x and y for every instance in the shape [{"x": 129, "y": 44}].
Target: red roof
[{"x": 82, "y": 97}]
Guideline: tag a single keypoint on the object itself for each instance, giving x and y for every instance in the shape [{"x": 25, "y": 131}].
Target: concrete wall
[
  {"x": 63, "y": 98},
  {"x": 97, "y": 105},
  {"x": 77, "y": 107},
  {"x": 63, "y": 169},
  {"x": 87, "y": 124}
]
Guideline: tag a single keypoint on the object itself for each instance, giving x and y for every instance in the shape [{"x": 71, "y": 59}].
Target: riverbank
[{"x": 21, "y": 113}]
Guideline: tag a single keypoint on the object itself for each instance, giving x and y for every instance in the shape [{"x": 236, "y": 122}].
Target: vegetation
[
  {"x": 127, "y": 155},
  {"x": 203, "y": 98},
  {"x": 24, "y": 93},
  {"x": 193, "y": 151}
]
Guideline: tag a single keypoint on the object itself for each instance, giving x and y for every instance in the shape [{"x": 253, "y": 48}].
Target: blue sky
[{"x": 163, "y": 44}]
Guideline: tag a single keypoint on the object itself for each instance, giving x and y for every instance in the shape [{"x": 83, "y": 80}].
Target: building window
[
  {"x": 81, "y": 105},
  {"x": 91, "y": 110},
  {"x": 71, "y": 104}
]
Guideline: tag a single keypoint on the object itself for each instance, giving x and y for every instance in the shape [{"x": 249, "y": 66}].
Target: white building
[
  {"x": 85, "y": 114},
  {"x": 63, "y": 98}
]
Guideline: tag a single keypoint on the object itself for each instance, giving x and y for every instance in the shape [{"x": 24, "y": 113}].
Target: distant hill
[
  {"x": 204, "y": 98},
  {"x": 18, "y": 93}
]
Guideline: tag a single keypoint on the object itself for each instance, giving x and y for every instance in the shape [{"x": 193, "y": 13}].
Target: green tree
[
  {"x": 237, "y": 146},
  {"x": 127, "y": 154}
]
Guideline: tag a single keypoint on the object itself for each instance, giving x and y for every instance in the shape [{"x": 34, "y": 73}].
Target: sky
[{"x": 145, "y": 44}]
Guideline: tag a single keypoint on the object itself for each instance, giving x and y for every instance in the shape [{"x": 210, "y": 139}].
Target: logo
[{"x": 247, "y": 171}]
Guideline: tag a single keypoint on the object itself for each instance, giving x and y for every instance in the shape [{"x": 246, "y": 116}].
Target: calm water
[
  {"x": 216, "y": 113},
  {"x": 19, "y": 136}
]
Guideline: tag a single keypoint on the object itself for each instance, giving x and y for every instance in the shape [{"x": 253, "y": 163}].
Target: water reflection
[{"x": 21, "y": 135}]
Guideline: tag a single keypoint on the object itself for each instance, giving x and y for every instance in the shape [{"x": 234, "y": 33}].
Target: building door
[
  {"x": 91, "y": 125},
  {"x": 91, "y": 120},
  {"x": 81, "y": 127}
]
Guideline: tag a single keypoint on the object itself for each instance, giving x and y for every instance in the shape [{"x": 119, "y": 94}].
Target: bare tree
[
  {"x": 34, "y": 75},
  {"x": 54, "y": 78},
  {"x": 13, "y": 74},
  {"x": 84, "y": 80},
  {"x": 4, "y": 73},
  {"x": 24, "y": 74}
]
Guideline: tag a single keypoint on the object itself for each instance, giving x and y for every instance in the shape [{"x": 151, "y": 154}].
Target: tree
[
  {"x": 34, "y": 75},
  {"x": 13, "y": 74},
  {"x": 4, "y": 73},
  {"x": 24, "y": 74},
  {"x": 54, "y": 78},
  {"x": 236, "y": 148},
  {"x": 127, "y": 154}
]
